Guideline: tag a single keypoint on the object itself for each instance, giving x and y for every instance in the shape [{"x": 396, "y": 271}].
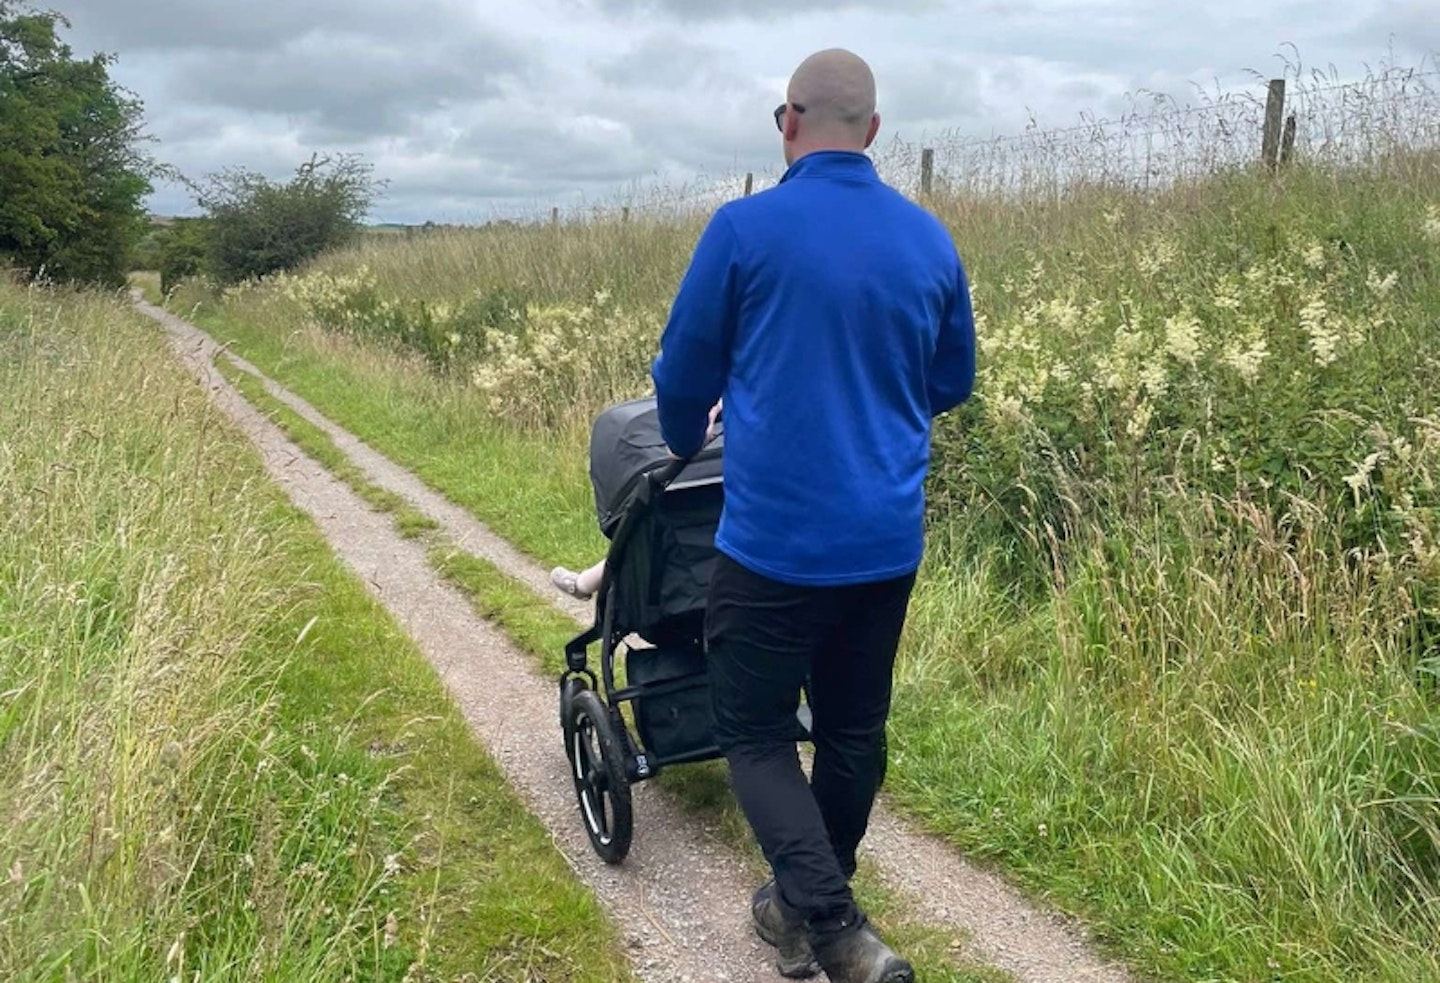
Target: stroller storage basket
[{"x": 671, "y": 696}]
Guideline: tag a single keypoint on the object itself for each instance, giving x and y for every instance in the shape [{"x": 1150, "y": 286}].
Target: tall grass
[
  {"x": 219, "y": 759},
  {"x": 1173, "y": 656},
  {"x": 157, "y": 824}
]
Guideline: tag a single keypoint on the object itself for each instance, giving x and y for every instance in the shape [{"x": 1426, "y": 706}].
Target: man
[{"x": 834, "y": 317}]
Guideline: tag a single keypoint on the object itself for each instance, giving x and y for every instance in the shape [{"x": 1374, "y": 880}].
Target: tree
[
  {"x": 73, "y": 174},
  {"x": 257, "y": 227},
  {"x": 179, "y": 251}
]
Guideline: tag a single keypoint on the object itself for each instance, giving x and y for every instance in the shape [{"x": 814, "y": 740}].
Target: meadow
[{"x": 1174, "y": 656}]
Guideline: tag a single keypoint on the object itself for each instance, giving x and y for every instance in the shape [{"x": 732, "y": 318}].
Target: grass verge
[
  {"x": 148, "y": 283},
  {"x": 218, "y": 755}
]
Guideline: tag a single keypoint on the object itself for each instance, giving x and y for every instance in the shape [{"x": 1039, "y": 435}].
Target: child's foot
[{"x": 568, "y": 581}]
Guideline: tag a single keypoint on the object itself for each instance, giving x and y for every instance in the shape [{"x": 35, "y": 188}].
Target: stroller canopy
[{"x": 625, "y": 445}]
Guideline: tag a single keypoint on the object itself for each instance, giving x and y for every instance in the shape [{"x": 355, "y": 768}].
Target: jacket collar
[{"x": 845, "y": 165}]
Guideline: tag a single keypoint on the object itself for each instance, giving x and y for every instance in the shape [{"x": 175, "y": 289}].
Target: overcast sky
[{"x": 474, "y": 109}]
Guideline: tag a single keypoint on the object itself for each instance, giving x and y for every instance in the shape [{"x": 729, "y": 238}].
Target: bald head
[{"x": 837, "y": 89}]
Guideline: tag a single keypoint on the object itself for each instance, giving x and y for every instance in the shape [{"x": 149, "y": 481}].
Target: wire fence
[
  {"x": 1155, "y": 145},
  {"x": 1160, "y": 143}
]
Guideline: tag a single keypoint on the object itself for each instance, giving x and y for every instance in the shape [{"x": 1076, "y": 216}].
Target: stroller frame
[{"x": 604, "y": 755}]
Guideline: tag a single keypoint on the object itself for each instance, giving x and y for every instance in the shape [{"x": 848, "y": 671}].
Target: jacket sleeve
[
  {"x": 694, "y": 360},
  {"x": 952, "y": 370}
]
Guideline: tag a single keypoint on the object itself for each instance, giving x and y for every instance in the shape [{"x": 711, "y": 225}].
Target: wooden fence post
[
  {"x": 1274, "y": 115},
  {"x": 555, "y": 215},
  {"x": 749, "y": 183},
  {"x": 927, "y": 170},
  {"x": 625, "y": 214},
  {"x": 1287, "y": 142}
]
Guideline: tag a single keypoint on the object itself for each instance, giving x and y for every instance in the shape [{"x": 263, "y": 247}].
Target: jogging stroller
[{"x": 660, "y": 515}]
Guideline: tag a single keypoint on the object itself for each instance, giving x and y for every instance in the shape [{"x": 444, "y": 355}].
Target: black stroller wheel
[
  {"x": 568, "y": 688},
  {"x": 597, "y": 767}
]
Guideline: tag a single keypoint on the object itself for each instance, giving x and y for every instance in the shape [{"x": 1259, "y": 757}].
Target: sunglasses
[{"x": 780, "y": 113}]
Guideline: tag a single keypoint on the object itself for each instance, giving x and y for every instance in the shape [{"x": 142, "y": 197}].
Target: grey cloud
[
  {"x": 716, "y": 120},
  {"x": 163, "y": 25},
  {"x": 514, "y": 147},
  {"x": 765, "y": 10},
  {"x": 1413, "y": 26},
  {"x": 663, "y": 60},
  {"x": 930, "y": 89},
  {"x": 349, "y": 87}
]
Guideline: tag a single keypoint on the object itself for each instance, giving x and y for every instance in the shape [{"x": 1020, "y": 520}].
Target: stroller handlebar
[{"x": 668, "y": 471}]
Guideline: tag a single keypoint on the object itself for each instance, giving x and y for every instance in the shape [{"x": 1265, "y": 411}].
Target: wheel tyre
[
  {"x": 597, "y": 767},
  {"x": 568, "y": 689}
]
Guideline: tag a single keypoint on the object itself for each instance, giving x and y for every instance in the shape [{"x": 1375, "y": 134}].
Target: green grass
[
  {"x": 149, "y": 284},
  {"x": 1171, "y": 661},
  {"x": 409, "y": 521},
  {"x": 540, "y": 499},
  {"x": 218, "y": 755}
]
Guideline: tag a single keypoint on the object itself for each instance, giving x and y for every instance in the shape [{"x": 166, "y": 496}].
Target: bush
[
  {"x": 181, "y": 252},
  {"x": 258, "y": 227}
]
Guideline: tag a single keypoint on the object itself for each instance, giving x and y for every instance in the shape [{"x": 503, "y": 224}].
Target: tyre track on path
[{"x": 679, "y": 884}]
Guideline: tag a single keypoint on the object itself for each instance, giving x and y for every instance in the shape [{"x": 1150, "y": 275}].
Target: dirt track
[{"x": 680, "y": 883}]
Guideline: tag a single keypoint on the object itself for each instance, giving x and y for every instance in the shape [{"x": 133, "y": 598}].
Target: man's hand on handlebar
[{"x": 709, "y": 430}]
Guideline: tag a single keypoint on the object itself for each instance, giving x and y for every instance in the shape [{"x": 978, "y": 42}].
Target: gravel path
[{"x": 680, "y": 884}]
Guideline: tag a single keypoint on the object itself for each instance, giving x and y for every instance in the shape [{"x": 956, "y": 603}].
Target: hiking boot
[
  {"x": 852, "y": 952},
  {"x": 780, "y": 926}
]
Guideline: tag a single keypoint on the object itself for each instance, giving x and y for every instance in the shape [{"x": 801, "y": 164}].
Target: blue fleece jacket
[{"x": 834, "y": 316}]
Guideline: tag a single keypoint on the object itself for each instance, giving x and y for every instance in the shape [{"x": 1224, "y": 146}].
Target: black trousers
[{"x": 765, "y": 640}]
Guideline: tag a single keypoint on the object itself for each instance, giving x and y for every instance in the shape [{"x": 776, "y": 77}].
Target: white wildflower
[
  {"x": 1140, "y": 420},
  {"x": 1159, "y": 254},
  {"x": 1155, "y": 377},
  {"x": 1129, "y": 342},
  {"x": 1432, "y": 222},
  {"x": 1182, "y": 338},
  {"x": 1324, "y": 340},
  {"x": 1246, "y": 356},
  {"x": 1064, "y": 315},
  {"x": 1227, "y": 295},
  {"x": 1378, "y": 286},
  {"x": 1360, "y": 480},
  {"x": 1010, "y": 408},
  {"x": 1351, "y": 330},
  {"x": 1314, "y": 256}
]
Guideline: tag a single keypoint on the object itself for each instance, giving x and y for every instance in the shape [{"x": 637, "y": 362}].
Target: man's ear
[
  {"x": 874, "y": 129},
  {"x": 792, "y": 126}
]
